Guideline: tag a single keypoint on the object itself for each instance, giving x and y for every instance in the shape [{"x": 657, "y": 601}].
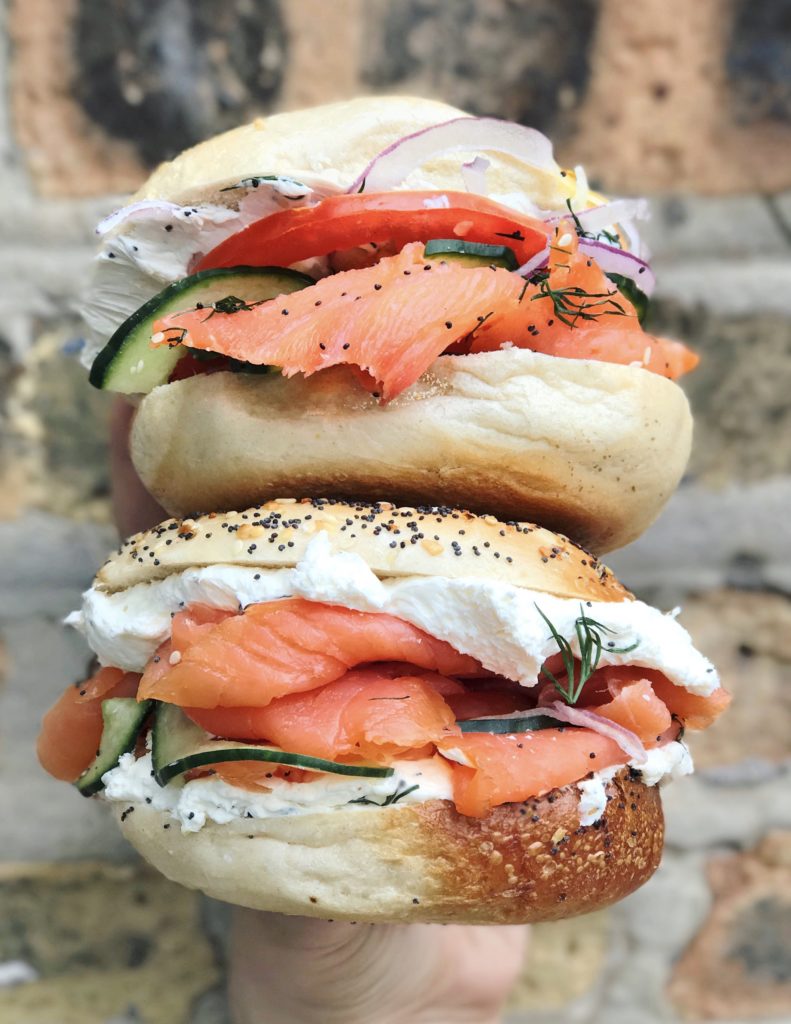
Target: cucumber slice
[
  {"x": 635, "y": 295},
  {"x": 129, "y": 365},
  {"x": 180, "y": 745},
  {"x": 512, "y": 724},
  {"x": 471, "y": 254},
  {"x": 123, "y": 718}
]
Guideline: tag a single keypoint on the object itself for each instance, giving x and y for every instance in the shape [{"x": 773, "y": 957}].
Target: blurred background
[{"x": 689, "y": 103}]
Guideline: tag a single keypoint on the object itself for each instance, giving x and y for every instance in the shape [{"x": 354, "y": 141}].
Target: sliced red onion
[
  {"x": 605, "y": 216},
  {"x": 488, "y": 134},
  {"x": 541, "y": 259},
  {"x": 625, "y": 738},
  {"x": 473, "y": 174},
  {"x": 618, "y": 261},
  {"x": 146, "y": 208}
]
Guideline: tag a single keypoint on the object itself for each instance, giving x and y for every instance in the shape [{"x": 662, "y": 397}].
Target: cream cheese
[
  {"x": 149, "y": 245},
  {"x": 497, "y": 623},
  {"x": 661, "y": 764},
  {"x": 211, "y": 799}
]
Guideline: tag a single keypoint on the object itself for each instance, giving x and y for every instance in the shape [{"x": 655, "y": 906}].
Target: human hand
[{"x": 295, "y": 970}]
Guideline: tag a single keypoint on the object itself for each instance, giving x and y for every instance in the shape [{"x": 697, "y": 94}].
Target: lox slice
[
  {"x": 72, "y": 728},
  {"x": 514, "y": 767},
  {"x": 366, "y": 714},
  {"x": 392, "y": 320},
  {"x": 286, "y": 646},
  {"x": 612, "y": 334}
]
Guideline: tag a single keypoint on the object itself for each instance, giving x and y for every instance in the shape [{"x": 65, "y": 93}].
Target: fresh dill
[
  {"x": 231, "y": 304},
  {"x": 391, "y": 798},
  {"x": 573, "y": 303},
  {"x": 591, "y": 643}
]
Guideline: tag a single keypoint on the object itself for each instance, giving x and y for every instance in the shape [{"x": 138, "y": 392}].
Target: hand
[
  {"x": 133, "y": 507},
  {"x": 294, "y": 970}
]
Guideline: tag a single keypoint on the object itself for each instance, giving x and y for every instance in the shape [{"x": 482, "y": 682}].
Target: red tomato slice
[{"x": 343, "y": 222}]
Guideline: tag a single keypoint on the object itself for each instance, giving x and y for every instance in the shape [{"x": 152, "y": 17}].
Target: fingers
[
  {"x": 297, "y": 969},
  {"x": 133, "y": 507}
]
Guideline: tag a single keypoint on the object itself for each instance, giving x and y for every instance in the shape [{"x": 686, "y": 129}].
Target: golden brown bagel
[
  {"x": 591, "y": 449},
  {"x": 425, "y": 541},
  {"x": 424, "y": 862}
]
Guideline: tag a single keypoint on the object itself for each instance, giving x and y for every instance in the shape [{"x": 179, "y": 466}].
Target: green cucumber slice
[
  {"x": 123, "y": 718},
  {"x": 471, "y": 254},
  {"x": 179, "y": 745},
  {"x": 127, "y": 364},
  {"x": 504, "y": 725},
  {"x": 635, "y": 295}
]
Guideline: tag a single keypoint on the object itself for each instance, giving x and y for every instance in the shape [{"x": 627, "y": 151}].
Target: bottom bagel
[
  {"x": 371, "y": 713},
  {"x": 523, "y": 862}
]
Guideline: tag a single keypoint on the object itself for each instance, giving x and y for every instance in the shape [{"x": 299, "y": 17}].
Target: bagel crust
[
  {"x": 424, "y": 541},
  {"x": 590, "y": 449},
  {"x": 423, "y": 862}
]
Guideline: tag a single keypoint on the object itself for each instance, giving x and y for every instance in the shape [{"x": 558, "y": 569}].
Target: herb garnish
[
  {"x": 589, "y": 638},
  {"x": 573, "y": 303},
  {"x": 391, "y": 798},
  {"x": 582, "y": 233},
  {"x": 232, "y": 304}
]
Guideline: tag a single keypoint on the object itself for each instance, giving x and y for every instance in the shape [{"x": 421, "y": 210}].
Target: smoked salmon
[
  {"x": 515, "y": 767},
  {"x": 72, "y": 728},
  {"x": 347, "y": 686},
  {"x": 392, "y": 320},
  {"x": 286, "y": 646},
  {"x": 363, "y": 715}
]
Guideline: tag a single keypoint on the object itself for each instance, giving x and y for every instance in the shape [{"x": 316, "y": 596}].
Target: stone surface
[
  {"x": 708, "y": 538},
  {"x": 66, "y": 153},
  {"x": 165, "y": 74},
  {"x": 563, "y": 964},
  {"x": 58, "y": 431},
  {"x": 105, "y": 942},
  {"x": 735, "y": 813},
  {"x": 739, "y": 964},
  {"x": 658, "y": 114},
  {"x": 759, "y": 61},
  {"x": 748, "y": 636},
  {"x": 687, "y": 228},
  {"x": 525, "y": 62},
  {"x": 739, "y": 392}
]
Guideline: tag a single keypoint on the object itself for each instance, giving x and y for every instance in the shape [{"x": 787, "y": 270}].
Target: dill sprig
[
  {"x": 391, "y": 798},
  {"x": 582, "y": 233},
  {"x": 591, "y": 643},
  {"x": 573, "y": 303}
]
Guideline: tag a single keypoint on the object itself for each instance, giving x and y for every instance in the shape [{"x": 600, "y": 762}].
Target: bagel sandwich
[
  {"x": 374, "y": 713},
  {"x": 387, "y": 296}
]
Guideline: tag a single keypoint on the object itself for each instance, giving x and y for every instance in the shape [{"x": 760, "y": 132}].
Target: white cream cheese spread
[
  {"x": 200, "y": 800},
  {"x": 497, "y": 623}
]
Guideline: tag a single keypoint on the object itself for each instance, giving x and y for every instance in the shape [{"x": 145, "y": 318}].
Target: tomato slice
[{"x": 343, "y": 222}]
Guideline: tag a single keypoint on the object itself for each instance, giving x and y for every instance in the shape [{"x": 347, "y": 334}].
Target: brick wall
[{"x": 690, "y": 103}]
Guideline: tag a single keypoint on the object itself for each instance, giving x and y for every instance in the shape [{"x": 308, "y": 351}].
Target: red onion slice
[
  {"x": 625, "y": 738},
  {"x": 613, "y": 260},
  {"x": 608, "y": 214},
  {"x": 468, "y": 134},
  {"x": 473, "y": 174},
  {"x": 537, "y": 262}
]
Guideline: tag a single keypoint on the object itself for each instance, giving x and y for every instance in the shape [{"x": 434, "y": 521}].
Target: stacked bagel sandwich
[{"x": 408, "y": 700}]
